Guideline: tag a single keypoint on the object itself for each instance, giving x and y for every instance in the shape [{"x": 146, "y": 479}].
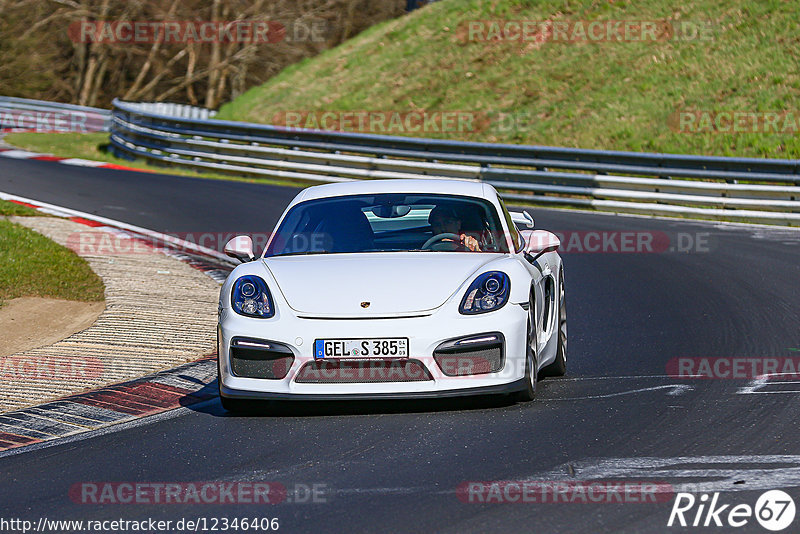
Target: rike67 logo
[{"x": 774, "y": 510}]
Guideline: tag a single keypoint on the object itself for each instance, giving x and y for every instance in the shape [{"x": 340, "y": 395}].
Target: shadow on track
[{"x": 301, "y": 408}]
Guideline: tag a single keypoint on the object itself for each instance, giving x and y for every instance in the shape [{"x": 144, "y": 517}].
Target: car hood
[{"x": 393, "y": 283}]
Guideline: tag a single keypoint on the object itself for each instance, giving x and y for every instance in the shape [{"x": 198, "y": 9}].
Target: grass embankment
[
  {"x": 607, "y": 95},
  {"x": 33, "y": 266}
]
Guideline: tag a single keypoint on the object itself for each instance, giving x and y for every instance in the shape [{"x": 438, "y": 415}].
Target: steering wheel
[{"x": 441, "y": 237}]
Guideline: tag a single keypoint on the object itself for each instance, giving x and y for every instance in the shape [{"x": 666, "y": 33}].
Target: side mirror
[
  {"x": 241, "y": 248},
  {"x": 522, "y": 217},
  {"x": 537, "y": 242}
]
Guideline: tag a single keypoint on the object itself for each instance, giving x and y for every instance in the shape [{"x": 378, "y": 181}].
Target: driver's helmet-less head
[{"x": 443, "y": 214}]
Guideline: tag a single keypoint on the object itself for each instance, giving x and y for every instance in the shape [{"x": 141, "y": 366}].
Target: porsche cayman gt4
[{"x": 393, "y": 289}]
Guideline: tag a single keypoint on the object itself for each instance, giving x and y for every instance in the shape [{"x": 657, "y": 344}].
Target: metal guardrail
[
  {"x": 22, "y": 114},
  {"x": 183, "y": 111},
  {"x": 745, "y": 189}
]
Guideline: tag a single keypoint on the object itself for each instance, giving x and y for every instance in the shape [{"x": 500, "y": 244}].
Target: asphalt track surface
[{"x": 396, "y": 467}]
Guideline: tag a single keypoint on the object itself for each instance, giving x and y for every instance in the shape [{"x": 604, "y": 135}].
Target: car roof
[{"x": 470, "y": 188}]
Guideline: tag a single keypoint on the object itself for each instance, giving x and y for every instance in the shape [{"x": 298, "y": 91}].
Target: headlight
[
  {"x": 489, "y": 292},
  {"x": 250, "y": 297}
]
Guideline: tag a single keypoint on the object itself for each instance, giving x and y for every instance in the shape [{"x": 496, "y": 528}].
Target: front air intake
[
  {"x": 473, "y": 355},
  {"x": 362, "y": 371},
  {"x": 255, "y": 358}
]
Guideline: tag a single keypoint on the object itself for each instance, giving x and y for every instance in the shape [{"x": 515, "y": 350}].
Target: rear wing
[{"x": 522, "y": 218}]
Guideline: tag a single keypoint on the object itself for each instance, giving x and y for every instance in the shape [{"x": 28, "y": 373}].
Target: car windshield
[{"x": 389, "y": 223}]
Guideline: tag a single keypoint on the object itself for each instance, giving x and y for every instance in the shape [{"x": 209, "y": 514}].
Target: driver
[{"x": 445, "y": 220}]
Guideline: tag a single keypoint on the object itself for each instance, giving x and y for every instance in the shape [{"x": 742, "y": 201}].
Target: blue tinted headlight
[
  {"x": 489, "y": 292},
  {"x": 250, "y": 297}
]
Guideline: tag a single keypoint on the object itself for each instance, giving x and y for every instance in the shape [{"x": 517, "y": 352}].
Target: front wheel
[
  {"x": 529, "y": 392},
  {"x": 559, "y": 366},
  {"x": 237, "y": 405},
  {"x": 233, "y": 405}
]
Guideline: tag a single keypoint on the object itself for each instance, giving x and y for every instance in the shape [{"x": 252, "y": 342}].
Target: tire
[
  {"x": 559, "y": 366},
  {"x": 236, "y": 405},
  {"x": 233, "y": 405},
  {"x": 528, "y": 394}
]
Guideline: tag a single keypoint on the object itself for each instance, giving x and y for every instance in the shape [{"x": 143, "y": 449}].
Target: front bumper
[
  {"x": 425, "y": 333},
  {"x": 499, "y": 389}
]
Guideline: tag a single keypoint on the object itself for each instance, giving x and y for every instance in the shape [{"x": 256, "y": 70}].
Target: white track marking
[
  {"x": 125, "y": 226},
  {"x": 755, "y": 472},
  {"x": 19, "y": 154},
  {"x": 755, "y": 385},
  {"x": 674, "y": 389},
  {"x": 82, "y": 162},
  {"x": 632, "y": 377}
]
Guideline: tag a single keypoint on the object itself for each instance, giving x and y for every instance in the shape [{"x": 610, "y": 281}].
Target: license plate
[{"x": 389, "y": 347}]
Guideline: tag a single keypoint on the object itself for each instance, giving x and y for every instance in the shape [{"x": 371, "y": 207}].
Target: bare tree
[{"x": 44, "y": 52}]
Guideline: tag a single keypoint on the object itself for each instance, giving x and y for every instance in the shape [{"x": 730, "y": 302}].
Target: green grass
[
  {"x": 10, "y": 208},
  {"x": 608, "y": 95},
  {"x": 33, "y": 266},
  {"x": 72, "y": 145},
  {"x": 92, "y": 146}
]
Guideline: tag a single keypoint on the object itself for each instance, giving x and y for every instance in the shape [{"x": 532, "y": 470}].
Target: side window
[{"x": 512, "y": 228}]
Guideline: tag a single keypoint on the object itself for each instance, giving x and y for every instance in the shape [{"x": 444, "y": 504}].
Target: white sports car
[{"x": 393, "y": 289}]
